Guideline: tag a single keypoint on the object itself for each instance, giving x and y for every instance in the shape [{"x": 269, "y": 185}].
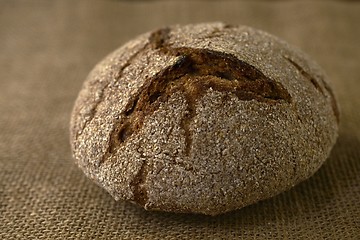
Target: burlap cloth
[{"x": 48, "y": 47}]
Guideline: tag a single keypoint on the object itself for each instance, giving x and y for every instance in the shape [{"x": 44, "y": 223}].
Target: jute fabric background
[{"x": 48, "y": 47}]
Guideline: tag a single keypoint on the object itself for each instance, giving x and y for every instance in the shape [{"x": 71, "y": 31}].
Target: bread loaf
[{"x": 203, "y": 118}]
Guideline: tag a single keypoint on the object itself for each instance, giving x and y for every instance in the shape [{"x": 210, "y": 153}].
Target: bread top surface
[{"x": 203, "y": 118}]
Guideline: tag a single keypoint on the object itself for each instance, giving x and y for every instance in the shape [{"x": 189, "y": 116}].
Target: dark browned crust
[
  {"x": 193, "y": 74},
  {"x": 196, "y": 71}
]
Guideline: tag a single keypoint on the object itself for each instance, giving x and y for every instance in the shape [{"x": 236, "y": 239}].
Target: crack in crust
[
  {"x": 94, "y": 108},
  {"x": 333, "y": 101},
  {"x": 306, "y": 75},
  {"x": 318, "y": 87},
  {"x": 158, "y": 38},
  {"x": 193, "y": 74},
  {"x": 140, "y": 194}
]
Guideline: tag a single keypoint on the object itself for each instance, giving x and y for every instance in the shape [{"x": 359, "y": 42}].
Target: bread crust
[{"x": 203, "y": 118}]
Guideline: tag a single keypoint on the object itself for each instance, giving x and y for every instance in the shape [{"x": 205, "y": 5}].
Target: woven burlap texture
[{"x": 48, "y": 47}]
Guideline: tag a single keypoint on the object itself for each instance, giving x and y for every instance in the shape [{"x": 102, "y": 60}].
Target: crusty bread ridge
[{"x": 203, "y": 118}]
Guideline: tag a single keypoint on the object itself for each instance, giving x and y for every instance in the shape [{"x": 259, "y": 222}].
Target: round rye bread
[{"x": 203, "y": 118}]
